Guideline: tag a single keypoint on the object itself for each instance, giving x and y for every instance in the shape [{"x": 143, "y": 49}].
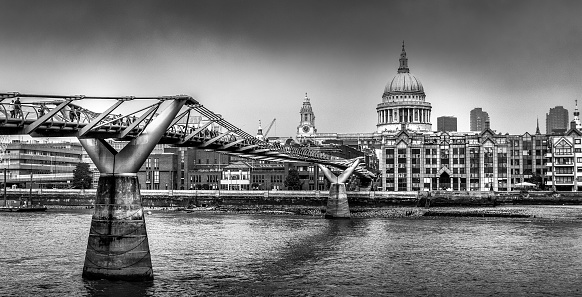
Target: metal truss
[{"x": 193, "y": 126}]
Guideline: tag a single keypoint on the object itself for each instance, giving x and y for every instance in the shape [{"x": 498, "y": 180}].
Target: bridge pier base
[
  {"x": 118, "y": 246},
  {"x": 337, "y": 202}
]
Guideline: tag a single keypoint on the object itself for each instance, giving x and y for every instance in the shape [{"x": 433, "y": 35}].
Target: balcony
[
  {"x": 563, "y": 173},
  {"x": 564, "y": 183}
]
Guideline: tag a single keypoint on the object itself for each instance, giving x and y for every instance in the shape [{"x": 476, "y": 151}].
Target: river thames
[{"x": 206, "y": 254}]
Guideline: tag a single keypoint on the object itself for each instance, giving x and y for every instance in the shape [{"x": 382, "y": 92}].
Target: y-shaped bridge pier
[{"x": 118, "y": 245}]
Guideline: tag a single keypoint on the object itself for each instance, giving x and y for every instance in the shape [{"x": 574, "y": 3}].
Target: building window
[{"x": 156, "y": 176}]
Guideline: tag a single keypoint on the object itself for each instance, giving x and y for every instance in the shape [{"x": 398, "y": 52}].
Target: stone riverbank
[{"x": 362, "y": 204}]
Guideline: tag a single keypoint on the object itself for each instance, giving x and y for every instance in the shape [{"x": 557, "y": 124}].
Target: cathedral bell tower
[{"x": 307, "y": 122}]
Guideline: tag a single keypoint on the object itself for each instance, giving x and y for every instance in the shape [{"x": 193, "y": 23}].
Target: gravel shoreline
[{"x": 552, "y": 212}]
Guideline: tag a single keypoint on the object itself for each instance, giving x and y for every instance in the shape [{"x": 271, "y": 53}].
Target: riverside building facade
[
  {"x": 36, "y": 163},
  {"x": 412, "y": 157}
]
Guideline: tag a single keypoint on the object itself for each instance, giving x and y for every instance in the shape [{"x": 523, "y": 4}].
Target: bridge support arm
[
  {"x": 337, "y": 202},
  {"x": 134, "y": 154}
]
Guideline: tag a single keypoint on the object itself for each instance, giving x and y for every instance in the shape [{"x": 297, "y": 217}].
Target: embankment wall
[{"x": 85, "y": 198}]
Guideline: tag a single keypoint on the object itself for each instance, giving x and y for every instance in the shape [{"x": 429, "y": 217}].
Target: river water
[{"x": 204, "y": 254}]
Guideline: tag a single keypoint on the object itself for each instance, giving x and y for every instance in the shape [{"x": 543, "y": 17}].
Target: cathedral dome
[{"x": 404, "y": 82}]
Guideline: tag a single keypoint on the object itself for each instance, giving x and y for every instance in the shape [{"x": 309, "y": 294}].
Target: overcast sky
[{"x": 255, "y": 60}]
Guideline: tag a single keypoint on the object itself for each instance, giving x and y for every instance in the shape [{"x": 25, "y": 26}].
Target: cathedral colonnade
[{"x": 404, "y": 115}]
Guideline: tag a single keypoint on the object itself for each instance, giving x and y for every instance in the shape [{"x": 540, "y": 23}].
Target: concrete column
[
  {"x": 337, "y": 202},
  {"x": 118, "y": 245}
]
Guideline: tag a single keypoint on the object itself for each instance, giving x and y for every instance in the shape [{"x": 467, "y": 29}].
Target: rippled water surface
[{"x": 264, "y": 255}]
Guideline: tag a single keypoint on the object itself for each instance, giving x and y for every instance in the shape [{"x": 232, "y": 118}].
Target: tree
[
  {"x": 82, "y": 176},
  {"x": 536, "y": 179},
  {"x": 292, "y": 181},
  {"x": 255, "y": 186}
]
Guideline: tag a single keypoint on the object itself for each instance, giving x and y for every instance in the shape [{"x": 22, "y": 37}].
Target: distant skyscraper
[
  {"x": 447, "y": 124},
  {"x": 557, "y": 120},
  {"x": 478, "y": 119}
]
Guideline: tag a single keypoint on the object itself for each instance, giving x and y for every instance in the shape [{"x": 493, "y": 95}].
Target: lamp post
[
  {"x": 5, "y": 202},
  {"x": 30, "y": 191}
]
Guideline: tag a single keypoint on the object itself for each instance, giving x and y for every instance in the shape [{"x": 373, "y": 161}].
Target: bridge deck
[{"x": 195, "y": 126}]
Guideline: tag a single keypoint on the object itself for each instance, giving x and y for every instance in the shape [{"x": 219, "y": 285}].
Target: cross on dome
[{"x": 403, "y": 61}]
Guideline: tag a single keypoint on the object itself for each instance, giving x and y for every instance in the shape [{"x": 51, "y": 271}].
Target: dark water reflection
[{"x": 259, "y": 255}]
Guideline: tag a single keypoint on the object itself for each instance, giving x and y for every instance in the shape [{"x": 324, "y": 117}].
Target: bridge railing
[{"x": 195, "y": 125}]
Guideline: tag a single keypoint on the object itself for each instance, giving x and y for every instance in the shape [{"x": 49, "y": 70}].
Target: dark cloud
[{"x": 486, "y": 52}]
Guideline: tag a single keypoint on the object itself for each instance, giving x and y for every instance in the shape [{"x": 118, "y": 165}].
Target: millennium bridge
[{"x": 118, "y": 245}]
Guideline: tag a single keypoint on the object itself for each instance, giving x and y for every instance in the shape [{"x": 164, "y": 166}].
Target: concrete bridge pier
[
  {"x": 337, "y": 202},
  {"x": 118, "y": 247}
]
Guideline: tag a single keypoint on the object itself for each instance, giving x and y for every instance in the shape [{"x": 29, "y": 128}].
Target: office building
[
  {"x": 40, "y": 163},
  {"x": 447, "y": 124},
  {"x": 557, "y": 120},
  {"x": 479, "y": 118}
]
